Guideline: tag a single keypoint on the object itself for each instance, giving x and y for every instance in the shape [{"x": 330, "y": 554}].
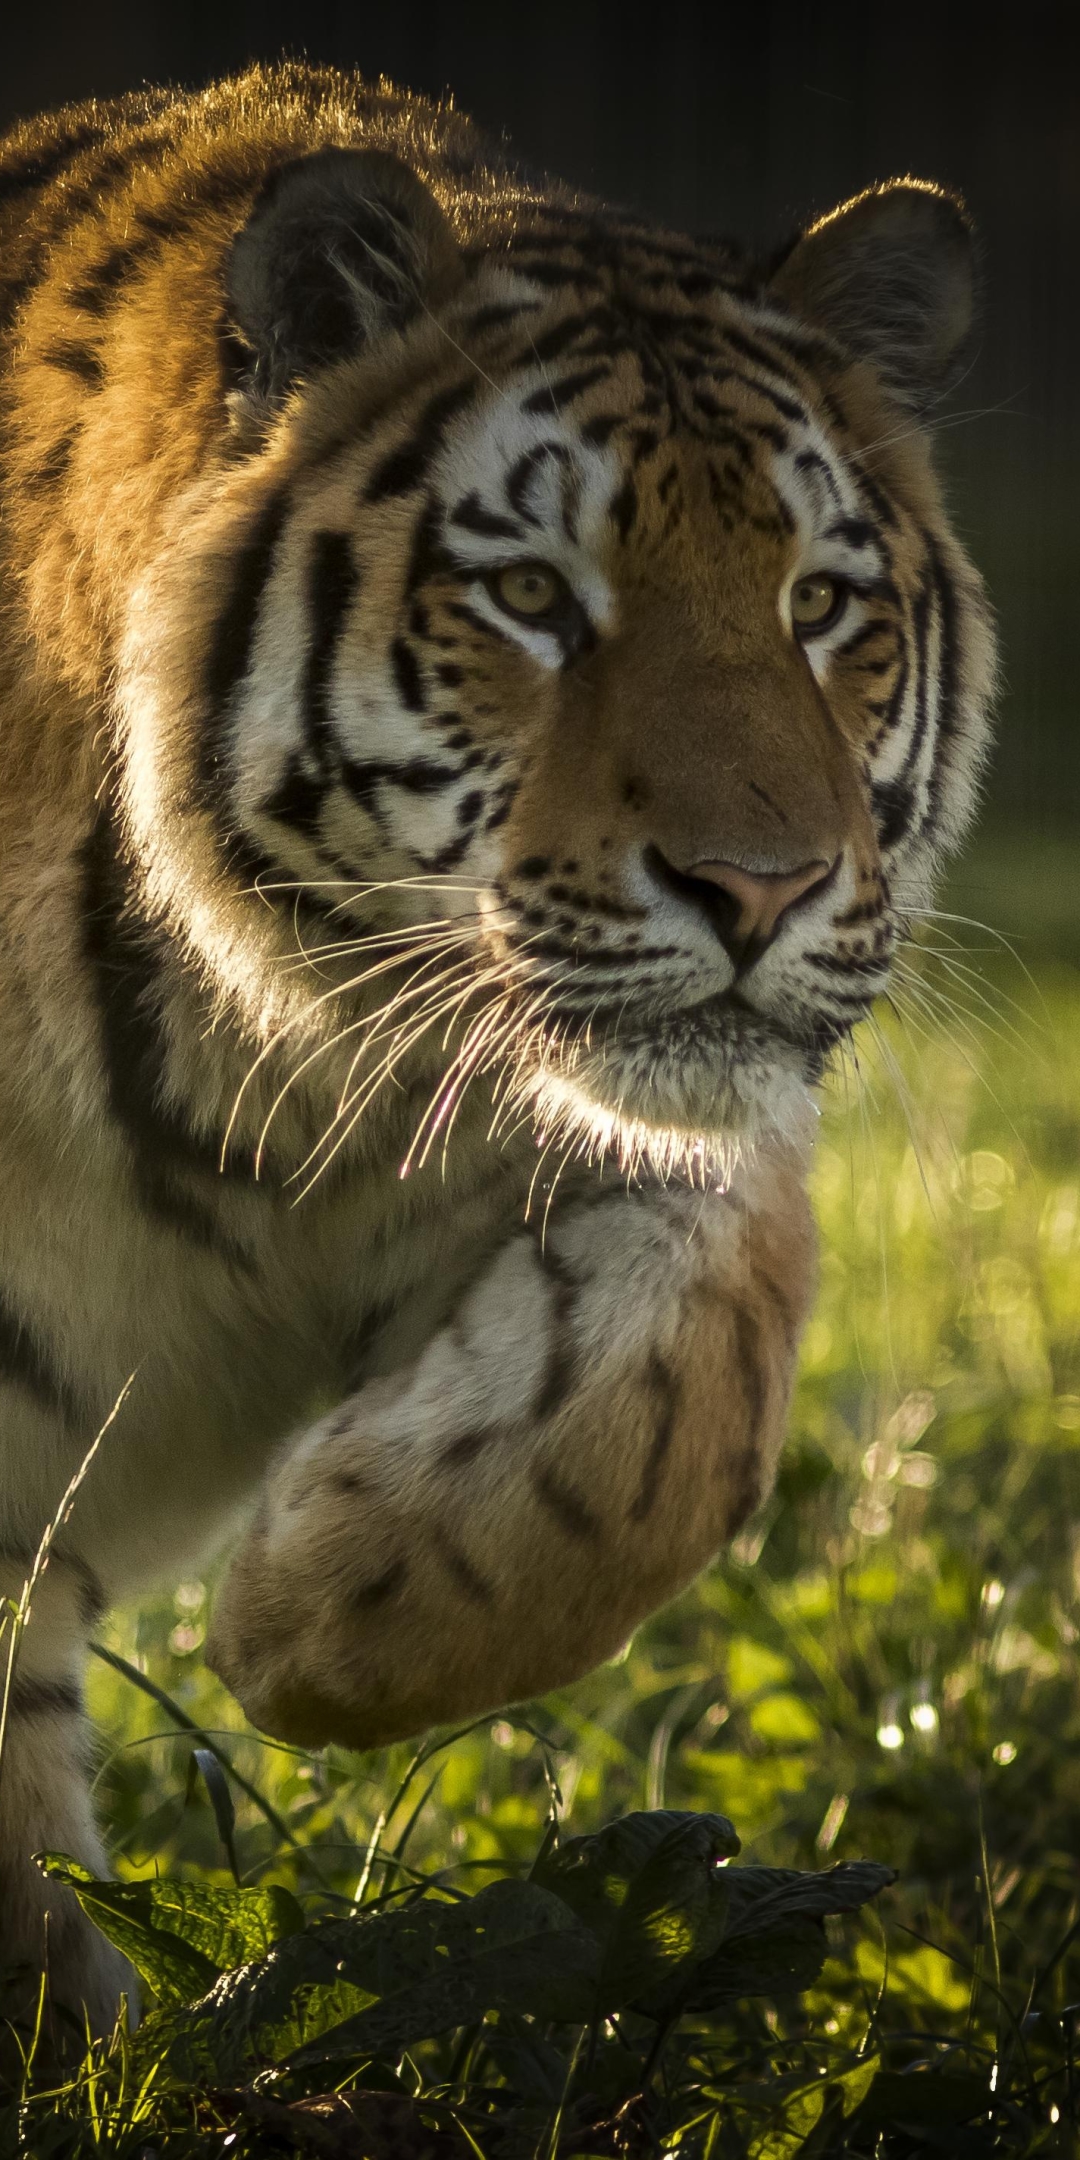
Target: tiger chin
[{"x": 487, "y": 682}]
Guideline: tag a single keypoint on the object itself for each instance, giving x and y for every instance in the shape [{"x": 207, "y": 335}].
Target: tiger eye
[
  {"x": 814, "y": 601},
  {"x": 529, "y": 588}
]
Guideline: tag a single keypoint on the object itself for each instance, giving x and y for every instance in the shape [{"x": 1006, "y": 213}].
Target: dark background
[{"x": 748, "y": 119}]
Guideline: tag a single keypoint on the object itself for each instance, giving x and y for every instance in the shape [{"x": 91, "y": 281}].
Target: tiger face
[{"x": 596, "y": 599}]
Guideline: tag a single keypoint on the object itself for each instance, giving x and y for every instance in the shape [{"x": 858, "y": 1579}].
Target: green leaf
[
  {"x": 801, "y": 2113},
  {"x": 782, "y": 1962},
  {"x": 925, "y": 2097},
  {"x": 180, "y": 1936},
  {"x": 652, "y": 1892},
  {"x": 515, "y": 1947},
  {"x": 854, "y": 2084},
  {"x": 361, "y": 1986},
  {"x": 533, "y": 2069},
  {"x": 260, "y": 2012},
  {"x": 762, "y": 1898},
  {"x": 774, "y": 1942}
]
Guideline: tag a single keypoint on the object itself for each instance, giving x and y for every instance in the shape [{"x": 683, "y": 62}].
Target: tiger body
[{"x": 384, "y": 1024}]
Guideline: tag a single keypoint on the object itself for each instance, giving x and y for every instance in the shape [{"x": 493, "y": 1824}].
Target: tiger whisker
[
  {"x": 416, "y": 1029},
  {"x": 377, "y": 1027},
  {"x": 302, "y": 1019}
]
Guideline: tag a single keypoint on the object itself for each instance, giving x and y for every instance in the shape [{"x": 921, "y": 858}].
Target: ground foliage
[{"x": 886, "y": 1665}]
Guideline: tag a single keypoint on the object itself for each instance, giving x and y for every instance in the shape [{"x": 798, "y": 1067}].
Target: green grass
[{"x": 887, "y": 1664}]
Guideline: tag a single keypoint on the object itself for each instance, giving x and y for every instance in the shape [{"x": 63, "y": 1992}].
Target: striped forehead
[
  {"x": 823, "y": 498},
  {"x": 517, "y": 477}
]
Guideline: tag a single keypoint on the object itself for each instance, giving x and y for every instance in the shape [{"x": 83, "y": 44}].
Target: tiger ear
[
  {"x": 891, "y": 276},
  {"x": 339, "y": 247}
]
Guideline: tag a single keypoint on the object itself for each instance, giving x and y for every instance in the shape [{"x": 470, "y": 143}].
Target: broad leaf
[
  {"x": 782, "y": 1962},
  {"x": 925, "y": 2098},
  {"x": 534, "y": 2069},
  {"x": 763, "y": 1898},
  {"x": 180, "y": 1936},
  {"x": 774, "y": 1941},
  {"x": 652, "y": 1891},
  {"x": 360, "y": 1987},
  {"x": 514, "y": 1947},
  {"x": 261, "y": 2011}
]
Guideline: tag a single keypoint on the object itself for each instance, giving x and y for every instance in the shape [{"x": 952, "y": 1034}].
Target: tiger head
[{"x": 587, "y": 590}]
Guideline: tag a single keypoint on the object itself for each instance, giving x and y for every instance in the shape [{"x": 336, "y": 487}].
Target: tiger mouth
[
  {"x": 725, "y": 1022},
  {"x": 684, "y": 1095}
]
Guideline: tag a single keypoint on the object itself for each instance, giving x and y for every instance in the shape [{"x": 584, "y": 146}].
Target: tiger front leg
[{"x": 601, "y": 1414}]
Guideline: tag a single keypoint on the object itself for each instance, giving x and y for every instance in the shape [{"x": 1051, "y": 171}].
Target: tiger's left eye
[
  {"x": 529, "y": 589},
  {"x": 816, "y": 602}
]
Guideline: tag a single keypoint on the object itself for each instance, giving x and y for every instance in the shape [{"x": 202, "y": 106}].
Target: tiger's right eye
[{"x": 529, "y": 589}]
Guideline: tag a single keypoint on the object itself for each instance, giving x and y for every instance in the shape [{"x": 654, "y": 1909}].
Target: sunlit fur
[{"x": 371, "y": 1036}]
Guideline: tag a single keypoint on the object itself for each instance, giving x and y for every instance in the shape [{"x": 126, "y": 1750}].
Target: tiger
[{"x": 487, "y": 683}]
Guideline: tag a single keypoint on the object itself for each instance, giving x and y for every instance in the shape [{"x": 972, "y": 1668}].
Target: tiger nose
[{"x": 747, "y": 907}]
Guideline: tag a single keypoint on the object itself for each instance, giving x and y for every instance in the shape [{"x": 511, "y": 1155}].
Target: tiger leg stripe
[
  {"x": 16, "y": 1568},
  {"x": 43, "y": 1698},
  {"x": 127, "y": 963},
  {"x": 26, "y": 1362}
]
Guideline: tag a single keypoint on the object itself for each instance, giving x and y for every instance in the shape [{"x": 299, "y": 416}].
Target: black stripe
[
  {"x": 472, "y": 516},
  {"x": 600, "y": 428},
  {"x": 125, "y": 957},
  {"x": 428, "y": 556},
  {"x": 462, "y": 612},
  {"x": 55, "y": 463},
  {"x": 760, "y": 356},
  {"x": 96, "y": 290},
  {"x": 25, "y": 1362},
  {"x": 920, "y": 630},
  {"x": 871, "y": 493},
  {"x": 562, "y": 336},
  {"x": 62, "y": 212},
  {"x": 569, "y": 1509},
  {"x": 948, "y": 670},
  {"x": 367, "y": 1597},
  {"x": 857, "y": 532},
  {"x": 406, "y": 466},
  {"x": 623, "y": 508},
  {"x": 332, "y": 584},
  {"x": 419, "y": 776},
  {"x": 76, "y": 359},
  {"x": 298, "y": 799},
  {"x": 467, "y": 1577},
  {"x": 465, "y": 1449},
  {"x": 408, "y": 680},
  {"x": 865, "y": 632},
  {"x": 660, "y": 1381},
  {"x": 561, "y": 1368},
  {"x": 554, "y": 397},
  {"x": 232, "y": 640},
  {"x": 44, "y": 1698},
  {"x": 497, "y": 314},
  {"x": 519, "y": 478},
  {"x": 558, "y": 276},
  {"x": 809, "y": 461},
  {"x": 448, "y": 857},
  {"x": 35, "y": 171},
  {"x": 93, "y": 1602}
]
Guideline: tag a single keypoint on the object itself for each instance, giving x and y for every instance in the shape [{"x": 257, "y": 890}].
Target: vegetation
[{"x": 887, "y": 1665}]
